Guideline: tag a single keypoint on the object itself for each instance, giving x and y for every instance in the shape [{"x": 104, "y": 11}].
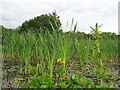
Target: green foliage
[
  {"x": 42, "y": 23},
  {"x": 38, "y": 55},
  {"x": 41, "y": 82},
  {"x": 75, "y": 81}
]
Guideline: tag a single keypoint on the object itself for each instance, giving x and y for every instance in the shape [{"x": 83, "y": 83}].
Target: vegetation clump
[{"x": 52, "y": 59}]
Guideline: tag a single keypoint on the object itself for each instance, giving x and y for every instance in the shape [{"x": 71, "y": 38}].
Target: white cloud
[{"x": 86, "y": 12}]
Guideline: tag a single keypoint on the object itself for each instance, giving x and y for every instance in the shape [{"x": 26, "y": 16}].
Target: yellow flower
[
  {"x": 58, "y": 60},
  {"x": 15, "y": 81},
  {"x": 62, "y": 62}
]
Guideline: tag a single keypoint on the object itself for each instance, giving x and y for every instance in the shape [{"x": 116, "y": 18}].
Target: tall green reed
[{"x": 96, "y": 53}]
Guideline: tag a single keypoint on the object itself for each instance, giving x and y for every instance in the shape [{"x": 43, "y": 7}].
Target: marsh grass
[{"x": 38, "y": 53}]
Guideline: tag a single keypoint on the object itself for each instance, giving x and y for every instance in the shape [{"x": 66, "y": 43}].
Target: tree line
[{"x": 50, "y": 22}]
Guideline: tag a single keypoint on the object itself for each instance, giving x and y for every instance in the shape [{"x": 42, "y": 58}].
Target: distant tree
[
  {"x": 114, "y": 36},
  {"x": 4, "y": 32},
  {"x": 109, "y": 35},
  {"x": 42, "y": 23}
]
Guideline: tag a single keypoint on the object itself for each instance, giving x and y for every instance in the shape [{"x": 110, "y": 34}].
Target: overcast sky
[{"x": 85, "y": 12}]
